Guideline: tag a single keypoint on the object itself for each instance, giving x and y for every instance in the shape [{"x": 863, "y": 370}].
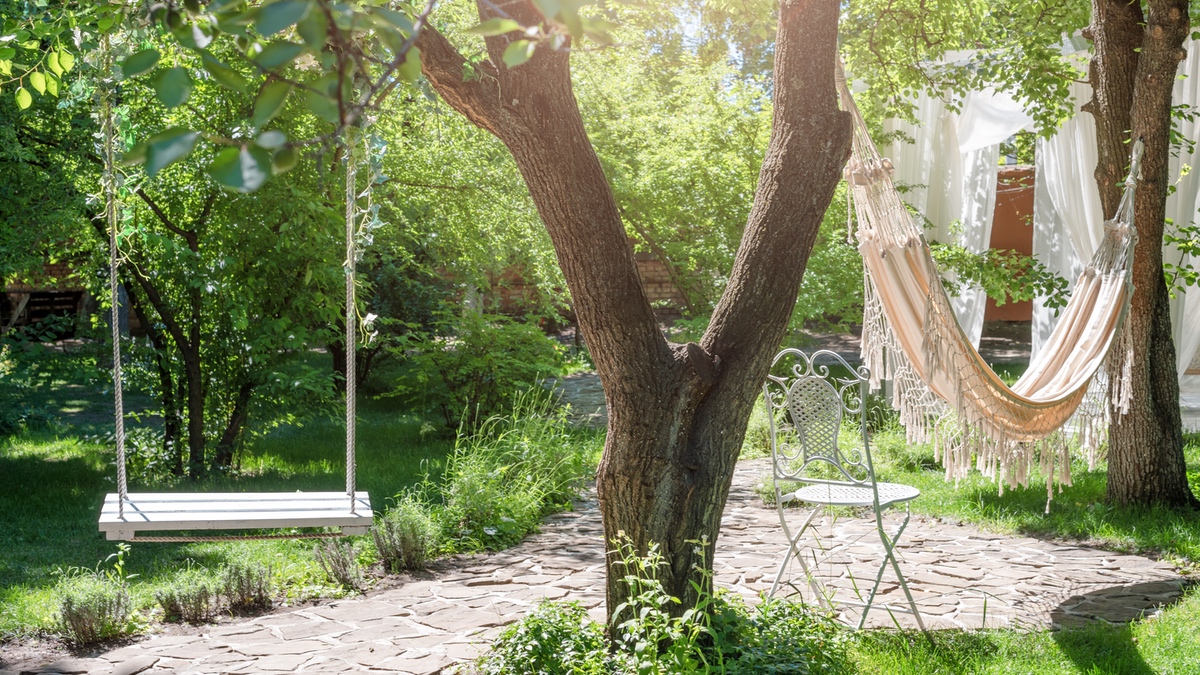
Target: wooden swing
[{"x": 125, "y": 515}]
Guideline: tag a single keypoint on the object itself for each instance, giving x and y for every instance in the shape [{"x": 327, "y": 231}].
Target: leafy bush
[
  {"x": 405, "y": 536},
  {"x": 757, "y": 442},
  {"x": 554, "y": 639},
  {"x": 479, "y": 371},
  {"x": 340, "y": 564},
  {"x": 192, "y": 597},
  {"x": 721, "y": 634},
  {"x": 94, "y": 607},
  {"x": 247, "y": 586},
  {"x": 502, "y": 479}
]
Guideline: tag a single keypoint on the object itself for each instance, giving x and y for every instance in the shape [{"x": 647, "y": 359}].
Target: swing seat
[{"x": 159, "y": 511}]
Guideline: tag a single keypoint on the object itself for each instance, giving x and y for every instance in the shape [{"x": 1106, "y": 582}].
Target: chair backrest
[{"x": 805, "y": 408}]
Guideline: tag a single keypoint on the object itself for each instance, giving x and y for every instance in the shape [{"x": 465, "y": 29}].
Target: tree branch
[
  {"x": 188, "y": 235},
  {"x": 479, "y": 99}
]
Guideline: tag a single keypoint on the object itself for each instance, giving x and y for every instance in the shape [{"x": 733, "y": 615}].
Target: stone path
[{"x": 426, "y": 625}]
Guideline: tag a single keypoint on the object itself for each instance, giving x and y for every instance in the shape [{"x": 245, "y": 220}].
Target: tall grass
[{"x": 503, "y": 477}]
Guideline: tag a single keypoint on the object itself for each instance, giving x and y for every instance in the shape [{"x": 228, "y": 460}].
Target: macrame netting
[{"x": 943, "y": 389}]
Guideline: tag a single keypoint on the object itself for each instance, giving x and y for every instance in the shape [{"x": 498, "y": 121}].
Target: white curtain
[
  {"x": 1068, "y": 219},
  {"x": 949, "y": 169},
  {"x": 1066, "y": 206}
]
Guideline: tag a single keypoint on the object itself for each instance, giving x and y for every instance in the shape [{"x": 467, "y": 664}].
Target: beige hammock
[{"x": 943, "y": 389}]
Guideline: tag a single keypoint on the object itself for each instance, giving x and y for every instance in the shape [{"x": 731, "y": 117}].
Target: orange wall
[{"x": 1012, "y": 228}]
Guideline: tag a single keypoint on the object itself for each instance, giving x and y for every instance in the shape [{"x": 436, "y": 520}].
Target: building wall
[{"x": 1012, "y": 228}]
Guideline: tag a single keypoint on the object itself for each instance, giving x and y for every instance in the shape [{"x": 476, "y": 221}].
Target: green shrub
[
  {"x": 405, "y": 536},
  {"x": 757, "y": 442},
  {"x": 191, "y": 597},
  {"x": 340, "y": 564},
  {"x": 94, "y": 607},
  {"x": 501, "y": 480},
  {"x": 779, "y": 636},
  {"x": 246, "y": 586},
  {"x": 478, "y": 372},
  {"x": 721, "y": 635},
  {"x": 554, "y": 639}
]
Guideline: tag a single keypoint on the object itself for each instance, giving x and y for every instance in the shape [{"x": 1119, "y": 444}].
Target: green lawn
[
  {"x": 1077, "y": 513},
  {"x": 1166, "y": 645},
  {"x": 52, "y": 485}
]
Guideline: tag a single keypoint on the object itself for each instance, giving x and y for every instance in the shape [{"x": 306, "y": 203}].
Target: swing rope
[
  {"x": 351, "y": 318},
  {"x": 111, "y": 215}
]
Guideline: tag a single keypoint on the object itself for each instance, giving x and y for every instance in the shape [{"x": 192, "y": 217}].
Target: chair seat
[{"x": 853, "y": 495}]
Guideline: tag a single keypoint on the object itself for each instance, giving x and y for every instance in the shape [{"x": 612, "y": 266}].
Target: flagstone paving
[{"x": 960, "y": 576}]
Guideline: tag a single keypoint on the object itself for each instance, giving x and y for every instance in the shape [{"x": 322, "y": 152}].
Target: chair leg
[
  {"x": 792, "y": 540},
  {"x": 889, "y": 544}
]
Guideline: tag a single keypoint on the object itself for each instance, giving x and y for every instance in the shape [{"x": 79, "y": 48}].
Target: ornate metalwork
[{"x": 806, "y": 407}]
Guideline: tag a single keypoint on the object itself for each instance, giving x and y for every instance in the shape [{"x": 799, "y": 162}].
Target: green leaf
[
  {"x": 243, "y": 170},
  {"x": 285, "y": 159},
  {"x": 395, "y": 18},
  {"x": 169, "y": 147},
  {"x": 496, "y": 26},
  {"x": 281, "y": 15},
  {"x": 7, "y": 53},
  {"x": 411, "y": 68},
  {"x": 313, "y": 30},
  {"x": 37, "y": 80},
  {"x": 52, "y": 63},
  {"x": 279, "y": 54},
  {"x": 173, "y": 87},
  {"x": 270, "y": 101},
  {"x": 5, "y": 67},
  {"x": 136, "y": 155},
  {"x": 24, "y": 98},
  {"x": 549, "y": 8},
  {"x": 518, "y": 52},
  {"x": 223, "y": 74},
  {"x": 271, "y": 140},
  {"x": 66, "y": 60},
  {"x": 51, "y": 84},
  {"x": 320, "y": 101},
  {"x": 141, "y": 62}
]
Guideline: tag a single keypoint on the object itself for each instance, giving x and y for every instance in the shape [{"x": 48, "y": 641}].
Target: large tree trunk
[
  {"x": 1132, "y": 73},
  {"x": 677, "y": 413}
]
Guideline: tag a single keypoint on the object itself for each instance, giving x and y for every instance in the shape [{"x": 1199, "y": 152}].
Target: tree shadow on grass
[{"x": 1094, "y": 629}]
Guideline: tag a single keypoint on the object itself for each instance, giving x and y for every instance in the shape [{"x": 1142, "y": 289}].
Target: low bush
[
  {"x": 479, "y": 371},
  {"x": 554, "y": 639},
  {"x": 191, "y": 597},
  {"x": 340, "y": 564},
  {"x": 721, "y": 635},
  {"x": 405, "y": 535},
  {"x": 94, "y": 607},
  {"x": 513, "y": 470},
  {"x": 246, "y": 586}
]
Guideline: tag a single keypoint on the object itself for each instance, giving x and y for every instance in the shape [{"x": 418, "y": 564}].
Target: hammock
[{"x": 943, "y": 389}]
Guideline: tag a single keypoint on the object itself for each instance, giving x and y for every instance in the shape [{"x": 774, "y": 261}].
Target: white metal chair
[{"x": 805, "y": 408}]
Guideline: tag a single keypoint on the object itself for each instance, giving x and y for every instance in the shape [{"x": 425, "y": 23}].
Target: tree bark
[
  {"x": 227, "y": 445},
  {"x": 1132, "y": 73},
  {"x": 677, "y": 413},
  {"x": 166, "y": 383}
]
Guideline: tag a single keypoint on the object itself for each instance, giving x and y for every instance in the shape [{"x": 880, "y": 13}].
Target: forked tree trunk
[
  {"x": 677, "y": 413},
  {"x": 1132, "y": 73}
]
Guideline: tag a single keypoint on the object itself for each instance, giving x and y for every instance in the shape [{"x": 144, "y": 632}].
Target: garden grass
[
  {"x": 1168, "y": 644},
  {"x": 1077, "y": 513},
  {"x": 52, "y": 484}
]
